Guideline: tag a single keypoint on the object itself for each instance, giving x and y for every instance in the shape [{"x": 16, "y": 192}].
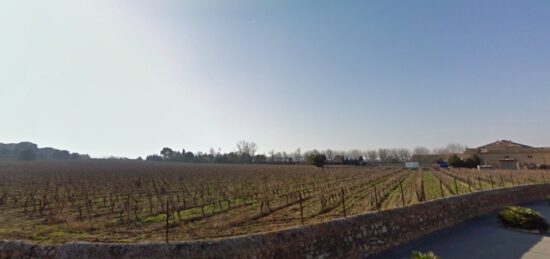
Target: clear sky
[{"x": 128, "y": 77}]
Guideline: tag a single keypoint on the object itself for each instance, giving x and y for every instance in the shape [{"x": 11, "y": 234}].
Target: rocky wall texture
[{"x": 354, "y": 237}]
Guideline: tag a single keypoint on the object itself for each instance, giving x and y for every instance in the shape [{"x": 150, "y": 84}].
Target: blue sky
[{"x": 129, "y": 77}]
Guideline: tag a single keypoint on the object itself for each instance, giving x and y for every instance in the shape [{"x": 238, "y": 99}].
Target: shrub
[
  {"x": 525, "y": 218},
  {"x": 456, "y": 161},
  {"x": 317, "y": 160},
  {"x": 470, "y": 162},
  {"x": 419, "y": 255}
]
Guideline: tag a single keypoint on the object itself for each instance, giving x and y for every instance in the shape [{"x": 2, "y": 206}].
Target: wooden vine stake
[
  {"x": 376, "y": 197},
  {"x": 469, "y": 184},
  {"x": 301, "y": 209},
  {"x": 423, "y": 190},
  {"x": 402, "y": 193},
  {"x": 456, "y": 187},
  {"x": 441, "y": 188},
  {"x": 167, "y": 216},
  {"x": 479, "y": 182},
  {"x": 344, "y": 202}
]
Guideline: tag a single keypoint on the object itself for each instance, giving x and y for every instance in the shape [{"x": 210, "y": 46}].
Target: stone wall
[{"x": 354, "y": 237}]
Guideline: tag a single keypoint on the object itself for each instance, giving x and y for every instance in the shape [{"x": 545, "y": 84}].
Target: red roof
[{"x": 505, "y": 144}]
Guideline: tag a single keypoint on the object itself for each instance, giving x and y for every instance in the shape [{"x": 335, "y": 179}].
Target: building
[{"x": 505, "y": 154}]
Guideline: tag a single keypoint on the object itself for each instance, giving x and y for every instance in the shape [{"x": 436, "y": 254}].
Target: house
[{"x": 505, "y": 154}]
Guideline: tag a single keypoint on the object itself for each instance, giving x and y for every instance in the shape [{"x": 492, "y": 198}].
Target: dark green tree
[
  {"x": 260, "y": 159},
  {"x": 317, "y": 160},
  {"x": 472, "y": 162},
  {"x": 153, "y": 158},
  {"x": 189, "y": 156},
  {"x": 456, "y": 161},
  {"x": 61, "y": 155},
  {"x": 167, "y": 153},
  {"x": 27, "y": 155}
]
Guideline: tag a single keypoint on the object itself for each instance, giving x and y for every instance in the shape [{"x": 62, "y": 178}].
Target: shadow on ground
[{"x": 481, "y": 238}]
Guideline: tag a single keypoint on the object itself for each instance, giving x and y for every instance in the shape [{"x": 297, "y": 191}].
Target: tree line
[
  {"x": 246, "y": 152},
  {"x": 27, "y": 151}
]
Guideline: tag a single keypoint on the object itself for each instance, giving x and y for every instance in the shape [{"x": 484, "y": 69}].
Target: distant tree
[
  {"x": 383, "y": 154},
  {"x": 359, "y": 161},
  {"x": 279, "y": 157},
  {"x": 75, "y": 156},
  {"x": 189, "y": 156},
  {"x": 61, "y": 155},
  {"x": 245, "y": 148},
  {"x": 455, "y": 161},
  {"x": 456, "y": 148},
  {"x": 472, "y": 162},
  {"x": 372, "y": 155},
  {"x": 177, "y": 156},
  {"x": 272, "y": 156},
  {"x": 354, "y": 154},
  {"x": 317, "y": 160},
  {"x": 297, "y": 155},
  {"x": 441, "y": 151},
  {"x": 260, "y": 159},
  {"x": 153, "y": 158},
  {"x": 116, "y": 158},
  {"x": 329, "y": 154},
  {"x": 421, "y": 151},
  {"x": 167, "y": 153},
  {"x": 393, "y": 156},
  {"x": 403, "y": 155},
  {"x": 84, "y": 156},
  {"x": 27, "y": 155},
  {"x": 139, "y": 158},
  {"x": 22, "y": 146},
  {"x": 286, "y": 157},
  {"x": 338, "y": 159},
  {"x": 233, "y": 157}
]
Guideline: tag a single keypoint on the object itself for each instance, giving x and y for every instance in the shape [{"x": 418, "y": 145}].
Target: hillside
[{"x": 31, "y": 151}]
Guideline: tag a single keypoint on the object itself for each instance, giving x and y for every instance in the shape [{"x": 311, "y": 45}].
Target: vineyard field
[{"x": 137, "y": 201}]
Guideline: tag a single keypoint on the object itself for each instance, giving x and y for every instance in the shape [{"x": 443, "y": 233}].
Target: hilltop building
[{"x": 505, "y": 154}]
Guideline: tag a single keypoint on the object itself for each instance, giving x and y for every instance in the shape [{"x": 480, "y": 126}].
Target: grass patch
[
  {"x": 524, "y": 218},
  {"x": 431, "y": 186},
  {"x": 420, "y": 255},
  {"x": 155, "y": 218}
]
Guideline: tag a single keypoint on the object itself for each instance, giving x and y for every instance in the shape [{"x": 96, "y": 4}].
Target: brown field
[{"x": 128, "y": 201}]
